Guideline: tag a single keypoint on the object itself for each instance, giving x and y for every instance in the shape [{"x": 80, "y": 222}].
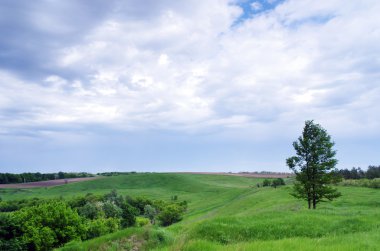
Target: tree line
[
  {"x": 44, "y": 224},
  {"x": 372, "y": 172},
  {"x": 9, "y": 178}
]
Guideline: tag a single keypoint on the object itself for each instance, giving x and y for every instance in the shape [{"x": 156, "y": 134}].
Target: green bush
[
  {"x": 49, "y": 225},
  {"x": 10, "y": 233},
  {"x": 278, "y": 182},
  {"x": 150, "y": 212},
  {"x": 91, "y": 210},
  {"x": 128, "y": 215},
  {"x": 170, "y": 214},
  {"x": 266, "y": 183},
  {"x": 101, "y": 226},
  {"x": 111, "y": 210},
  {"x": 142, "y": 221}
]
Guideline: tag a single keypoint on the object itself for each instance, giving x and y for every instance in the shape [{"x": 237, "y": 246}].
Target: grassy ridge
[{"x": 231, "y": 213}]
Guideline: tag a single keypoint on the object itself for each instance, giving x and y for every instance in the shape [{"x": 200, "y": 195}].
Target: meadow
[{"x": 230, "y": 213}]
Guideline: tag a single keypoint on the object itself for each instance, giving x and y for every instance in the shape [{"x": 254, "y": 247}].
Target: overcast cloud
[{"x": 185, "y": 85}]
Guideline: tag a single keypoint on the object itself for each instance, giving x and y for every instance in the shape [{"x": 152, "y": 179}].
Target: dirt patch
[
  {"x": 47, "y": 183},
  {"x": 252, "y": 175}
]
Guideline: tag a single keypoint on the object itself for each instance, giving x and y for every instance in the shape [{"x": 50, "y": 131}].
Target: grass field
[{"x": 231, "y": 213}]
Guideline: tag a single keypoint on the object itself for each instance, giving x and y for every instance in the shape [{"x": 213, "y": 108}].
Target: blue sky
[{"x": 189, "y": 85}]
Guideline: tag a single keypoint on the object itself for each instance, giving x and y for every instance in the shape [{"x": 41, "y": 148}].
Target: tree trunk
[{"x": 314, "y": 195}]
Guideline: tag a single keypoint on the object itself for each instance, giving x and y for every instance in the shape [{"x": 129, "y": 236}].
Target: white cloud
[
  {"x": 185, "y": 67},
  {"x": 256, "y": 6}
]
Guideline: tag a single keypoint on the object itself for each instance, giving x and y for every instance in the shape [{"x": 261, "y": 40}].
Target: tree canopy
[{"x": 314, "y": 165}]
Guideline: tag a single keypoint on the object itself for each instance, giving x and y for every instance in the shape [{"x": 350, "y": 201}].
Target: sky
[{"x": 158, "y": 86}]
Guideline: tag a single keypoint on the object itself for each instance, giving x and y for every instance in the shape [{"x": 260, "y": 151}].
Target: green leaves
[
  {"x": 313, "y": 164},
  {"x": 49, "y": 225},
  {"x": 170, "y": 214}
]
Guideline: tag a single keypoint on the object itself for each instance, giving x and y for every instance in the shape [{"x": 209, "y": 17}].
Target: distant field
[
  {"x": 251, "y": 175},
  {"x": 46, "y": 183},
  {"x": 232, "y": 213}
]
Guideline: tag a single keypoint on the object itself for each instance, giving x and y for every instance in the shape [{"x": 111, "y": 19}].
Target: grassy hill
[{"x": 231, "y": 213}]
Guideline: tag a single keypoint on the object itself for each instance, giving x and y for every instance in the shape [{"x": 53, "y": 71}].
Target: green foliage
[
  {"x": 170, "y": 214},
  {"x": 14, "y": 205},
  {"x": 142, "y": 221},
  {"x": 372, "y": 172},
  {"x": 174, "y": 198},
  {"x": 278, "y": 182},
  {"x": 49, "y": 225},
  {"x": 111, "y": 210},
  {"x": 150, "y": 212},
  {"x": 139, "y": 203},
  {"x": 128, "y": 215},
  {"x": 10, "y": 233},
  {"x": 114, "y": 198},
  {"x": 7, "y": 178},
  {"x": 266, "y": 183},
  {"x": 101, "y": 226},
  {"x": 314, "y": 165},
  {"x": 375, "y": 183},
  {"x": 91, "y": 210},
  {"x": 272, "y": 182}
]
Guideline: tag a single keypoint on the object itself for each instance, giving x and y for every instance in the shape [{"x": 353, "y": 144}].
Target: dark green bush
[{"x": 170, "y": 214}]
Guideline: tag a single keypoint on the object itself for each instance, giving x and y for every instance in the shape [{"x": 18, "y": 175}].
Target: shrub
[
  {"x": 139, "y": 203},
  {"x": 91, "y": 210},
  {"x": 102, "y": 226},
  {"x": 128, "y": 215},
  {"x": 266, "y": 183},
  {"x": 170, "y": 214},
  {"x": 10, "y": 233},
  {"x": 141, "y": 221},
  {"x": 150, "y": 212},
  {"x": 49, "y": 225},
  {"x": 278, "y": 182},
  {"x": 111, "y": 210}
]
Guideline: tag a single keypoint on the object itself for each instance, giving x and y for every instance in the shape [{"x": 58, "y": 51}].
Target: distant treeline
[
  {"x": 357, "y": 173},
  {"x": 9, "y": 178},
  {"x": 267, "y": 172},
  {"x": 115, "y": 173}
]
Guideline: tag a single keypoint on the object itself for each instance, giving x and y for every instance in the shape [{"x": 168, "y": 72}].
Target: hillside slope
[{"x": 232, "y": 213}]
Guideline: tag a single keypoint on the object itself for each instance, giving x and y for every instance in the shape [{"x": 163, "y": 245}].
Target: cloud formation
[{"x": 190, "y": 66}]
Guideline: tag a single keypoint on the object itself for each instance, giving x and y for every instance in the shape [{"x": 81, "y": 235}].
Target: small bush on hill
[
  {"x": 278, "y": 182},
  {"x": 171, "y": 214},
  {"x": 266, "y": 183}
]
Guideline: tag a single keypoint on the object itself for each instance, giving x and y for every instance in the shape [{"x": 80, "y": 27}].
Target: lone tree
[{"x": 314, "y": 165}]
